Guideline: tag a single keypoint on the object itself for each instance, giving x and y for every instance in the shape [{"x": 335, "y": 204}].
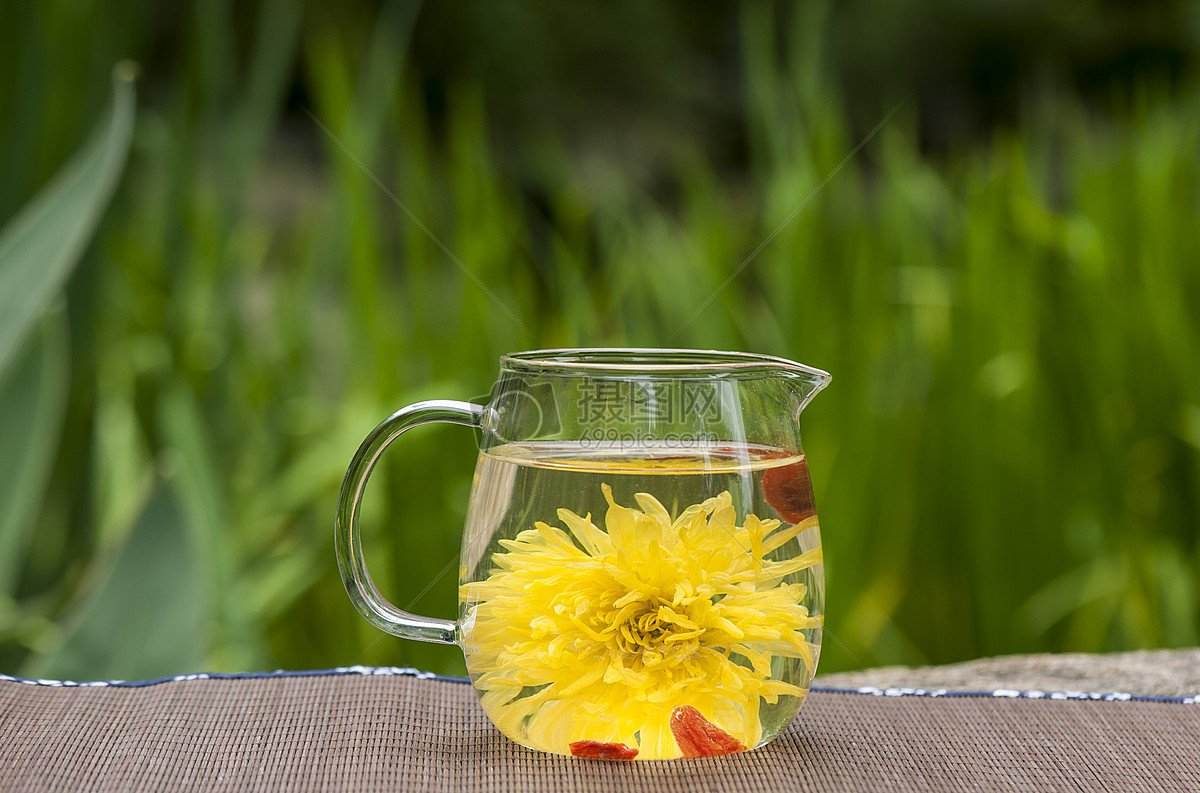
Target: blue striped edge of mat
[{"x": 393, "y": 671}]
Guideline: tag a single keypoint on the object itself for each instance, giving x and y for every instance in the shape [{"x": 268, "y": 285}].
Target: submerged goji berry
[
  {"x": 699, "y": 737},
  {"x": 603, "y": 750},
  {"x": 788, "y": 489}
]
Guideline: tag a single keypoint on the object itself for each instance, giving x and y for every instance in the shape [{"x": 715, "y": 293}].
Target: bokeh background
[{"x": 1003, "y": 277}]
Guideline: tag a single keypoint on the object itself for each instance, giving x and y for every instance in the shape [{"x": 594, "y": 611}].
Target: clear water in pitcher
[{"x": 641, "y": 600}]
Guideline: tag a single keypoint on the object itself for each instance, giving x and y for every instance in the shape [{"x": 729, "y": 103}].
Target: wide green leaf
[
  {"x": 205, "y": 506},
  {"x": 33, "y": 401},
  {"x": 41, "y": 244},
  {"x": 149, "y": 614}
]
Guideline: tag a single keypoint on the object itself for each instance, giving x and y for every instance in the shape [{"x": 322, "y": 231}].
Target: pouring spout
[{"x": 807, "y": 384}]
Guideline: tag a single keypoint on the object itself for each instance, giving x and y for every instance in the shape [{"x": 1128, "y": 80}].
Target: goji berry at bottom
[{"x": 699, "y": 737}]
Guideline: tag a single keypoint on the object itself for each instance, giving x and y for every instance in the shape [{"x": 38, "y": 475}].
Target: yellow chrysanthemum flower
[{"x": 598, "y": 634}]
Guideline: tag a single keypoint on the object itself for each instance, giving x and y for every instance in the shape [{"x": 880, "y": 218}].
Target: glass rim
[{"x": 654, "y": 360}]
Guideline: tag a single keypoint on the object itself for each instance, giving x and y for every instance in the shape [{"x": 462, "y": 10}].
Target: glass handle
[{"x": 348, "y": 540}]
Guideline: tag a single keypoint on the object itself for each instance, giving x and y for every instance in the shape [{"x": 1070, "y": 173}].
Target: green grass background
[{"x": 1008, "y": 459}]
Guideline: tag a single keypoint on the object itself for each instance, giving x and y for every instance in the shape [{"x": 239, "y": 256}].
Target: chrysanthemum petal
[{"x": 779, "y": 538}]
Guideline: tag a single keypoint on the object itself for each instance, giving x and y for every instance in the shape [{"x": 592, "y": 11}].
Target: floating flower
[{"x": 592, "y": 638}]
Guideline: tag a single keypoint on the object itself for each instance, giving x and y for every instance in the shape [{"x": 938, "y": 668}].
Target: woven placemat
[{"x": 384, "y": 730}]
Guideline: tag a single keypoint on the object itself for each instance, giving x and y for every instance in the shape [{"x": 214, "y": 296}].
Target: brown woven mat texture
[{"x": 399, "y": 733}]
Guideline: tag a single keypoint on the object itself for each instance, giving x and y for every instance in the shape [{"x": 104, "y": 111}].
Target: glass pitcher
[{"x": 641, "y": 572}]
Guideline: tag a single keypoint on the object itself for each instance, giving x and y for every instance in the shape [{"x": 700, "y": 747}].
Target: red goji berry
[
  {"x": 603, "y": 750},
  {"x": 699, "y": 737},
  {"x": 788, "y": 490}
]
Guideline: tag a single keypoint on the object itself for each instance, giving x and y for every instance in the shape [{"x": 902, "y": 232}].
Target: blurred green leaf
[
  {"x": 205, "y": 505},
  {"x": 148, "y": 615},
  {"x": 33, "y": 399},
  {"x": 42, "y": 243},
  {"x": 124, "y": 478}
]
